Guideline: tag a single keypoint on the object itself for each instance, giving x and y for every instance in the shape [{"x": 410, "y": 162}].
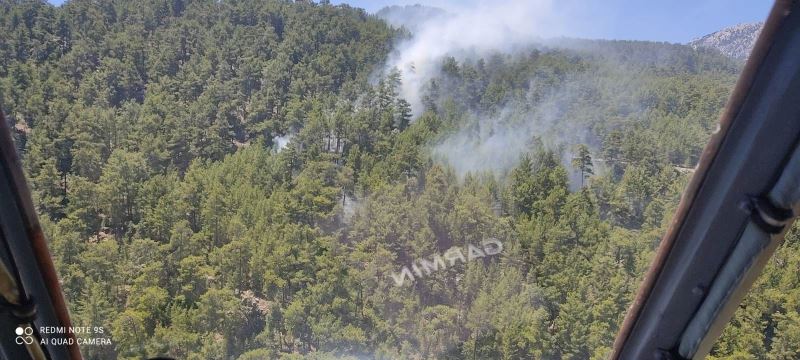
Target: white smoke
[
  {"x": 281, "y": 141},
  {"x": 495, "y": 143},
  {"x": 474, "y": 27},
  {"x": 492, "y": 144}
]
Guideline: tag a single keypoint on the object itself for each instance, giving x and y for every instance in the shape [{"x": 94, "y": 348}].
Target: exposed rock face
[{"x": 735, "y": 41}]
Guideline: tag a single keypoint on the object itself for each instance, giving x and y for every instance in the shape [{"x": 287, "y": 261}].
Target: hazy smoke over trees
[
  {"x": 491, "y": 140},
  {"x": 465, "y": 55},
  {"x": 495, "y": 141},
  {"x": 473, "y": 28}
]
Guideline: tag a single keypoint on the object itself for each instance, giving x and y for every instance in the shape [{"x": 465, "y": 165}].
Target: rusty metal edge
[
  {"x": 780, "y": 10},
  {"x": 8, "y": 155}
]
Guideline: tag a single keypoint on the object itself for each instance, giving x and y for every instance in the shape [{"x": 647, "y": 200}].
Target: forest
[{"x": 239, "y": 179}]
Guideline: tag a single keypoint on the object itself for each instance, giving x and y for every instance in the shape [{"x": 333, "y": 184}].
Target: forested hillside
[{"x": 240, "y": 180}]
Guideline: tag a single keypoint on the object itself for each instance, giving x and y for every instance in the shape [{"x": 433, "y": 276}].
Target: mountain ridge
[{"x": 734, "y": 41}]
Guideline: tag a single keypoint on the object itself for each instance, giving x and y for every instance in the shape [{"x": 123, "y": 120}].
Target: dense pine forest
[{"x": 241, "y": 179}]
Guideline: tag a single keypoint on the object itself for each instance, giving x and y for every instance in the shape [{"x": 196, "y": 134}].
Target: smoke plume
[{"x": 474, "y": 28}]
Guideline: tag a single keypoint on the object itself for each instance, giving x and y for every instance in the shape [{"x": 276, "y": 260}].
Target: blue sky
[{"x": 665, "y": 20}]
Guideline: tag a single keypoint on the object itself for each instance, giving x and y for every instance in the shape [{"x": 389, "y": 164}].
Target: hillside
[
  {"x": 735, "y": 41},
  {"x": 242, "y": 180}
]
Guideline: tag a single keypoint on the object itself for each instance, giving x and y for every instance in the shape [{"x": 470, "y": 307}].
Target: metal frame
[{"x": 24, "y": 253}]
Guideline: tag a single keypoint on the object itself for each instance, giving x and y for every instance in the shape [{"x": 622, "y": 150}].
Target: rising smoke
[
  {"x": 476, "y": 29},
  {"x": 473, "y": 28},
  {"x": 495, "y": 143},
  {"x": 281, "y": 142}
]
